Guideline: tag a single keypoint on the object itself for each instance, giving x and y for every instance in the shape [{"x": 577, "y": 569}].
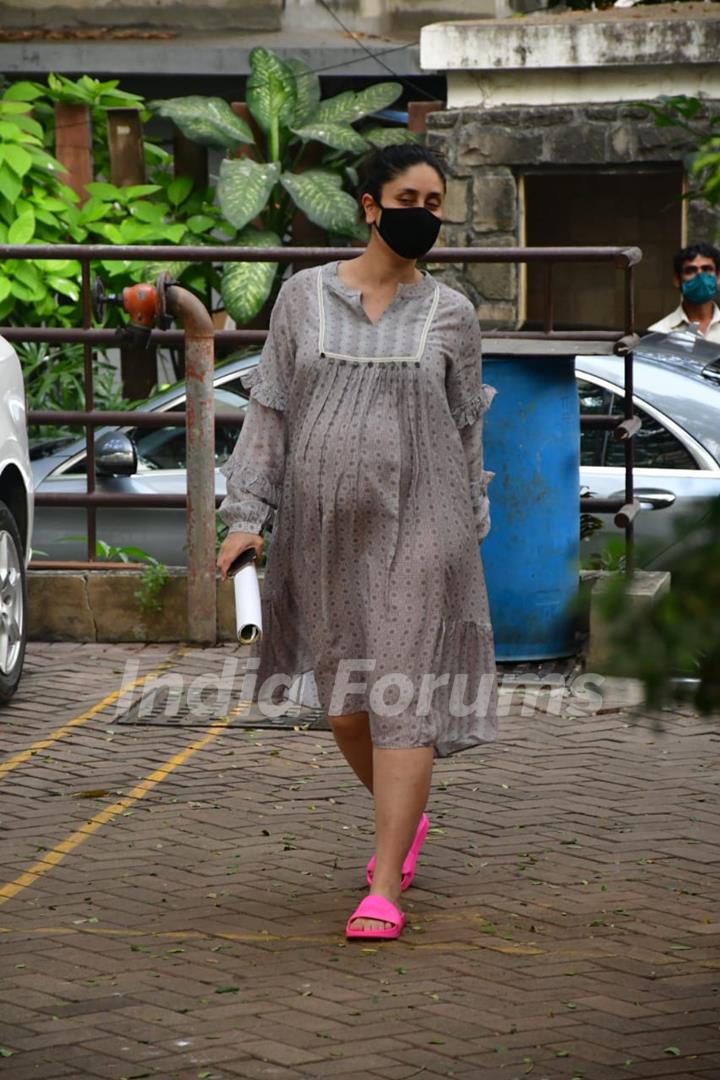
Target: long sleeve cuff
[{"x": 479, "y": 477}]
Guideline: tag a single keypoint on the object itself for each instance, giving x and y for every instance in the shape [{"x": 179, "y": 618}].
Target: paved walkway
[{"x": 173, "y": 897}]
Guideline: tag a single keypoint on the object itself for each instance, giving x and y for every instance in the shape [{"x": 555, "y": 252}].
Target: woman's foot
[
  {"x": 377, "y": 924},
  {"x": 367, "y": 926}
]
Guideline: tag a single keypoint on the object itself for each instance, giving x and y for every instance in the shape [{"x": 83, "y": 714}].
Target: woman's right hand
[{"x": 233, "y": 545}]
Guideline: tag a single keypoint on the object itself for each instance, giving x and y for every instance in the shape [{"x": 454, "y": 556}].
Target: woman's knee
[{"x": 352, "y": 726}]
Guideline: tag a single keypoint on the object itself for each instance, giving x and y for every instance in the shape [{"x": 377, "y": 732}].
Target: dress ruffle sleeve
[
  {"x": 472, "y": 440},
  {"x": 255, "y": 469},
  {"x": 469, "y": 398},
  {"x": 269, "y": 383}
]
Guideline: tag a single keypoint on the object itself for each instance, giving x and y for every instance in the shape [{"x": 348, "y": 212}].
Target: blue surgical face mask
[{"x": 700, "y": 289}]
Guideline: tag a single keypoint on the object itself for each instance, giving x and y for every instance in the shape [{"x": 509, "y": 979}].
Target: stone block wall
[
  {"x": 487, "y": 151},
  {"x": 199, "y": 15}
]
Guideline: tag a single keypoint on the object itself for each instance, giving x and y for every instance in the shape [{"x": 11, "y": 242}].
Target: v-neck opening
[
  {"x": 401, "y": 336},
  {"x": 381, "y": 316},
  {"x": 402, "y": 289}
]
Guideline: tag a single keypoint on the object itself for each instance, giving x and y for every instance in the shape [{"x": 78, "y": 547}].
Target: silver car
[
  {"x": 677, "y": 450},
  {"x": 59, "y": 466},
  {"x": 16, "y": 519},
  {"x": 677, "y": 455}
]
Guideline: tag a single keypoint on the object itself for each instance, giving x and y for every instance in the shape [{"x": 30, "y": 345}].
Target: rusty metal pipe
[
  {"x": 198, "y": 324},
  {"x": 113, "y": 499},
  {"x": 89, "y": 405},
  {"x": 129, "y": 418},
  {"x": 199, "y": 368},
  {"x": 619, "y": 256},
  {"x": 599, "y": 421},
  {"x": 167, "y": 338}
]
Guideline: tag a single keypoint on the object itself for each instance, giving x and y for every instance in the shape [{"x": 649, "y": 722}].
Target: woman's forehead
[{"x": 420, "y": 178}]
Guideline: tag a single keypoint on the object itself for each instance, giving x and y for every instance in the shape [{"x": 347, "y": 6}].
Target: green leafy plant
[
  {"x": 53, "y": 377},
  {"x": 300, "y": 155},
  {"x": 154, "y": 577},
  {"x": 679, "y": 634},
  {"x": 166, "y": 211},
  {"x": 98, "y": 96},
  {"x": 701, "y": 132},
  {"x": 36, "y": 206},
  {"x": 593, "y": 5}
]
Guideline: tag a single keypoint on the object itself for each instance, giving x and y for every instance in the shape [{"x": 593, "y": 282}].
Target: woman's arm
[
  {"x": 472, "y": 440},
  {"x": 254, "y": 471},
  {"x": 469, "y": 398}
]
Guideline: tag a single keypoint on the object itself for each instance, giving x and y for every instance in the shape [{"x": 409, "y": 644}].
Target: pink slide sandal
[
  {"x": 409, "y": 863},
  {"x": 376, "y": 907}
]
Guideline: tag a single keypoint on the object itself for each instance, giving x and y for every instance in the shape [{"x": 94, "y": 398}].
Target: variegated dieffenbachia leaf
[
  {"x": 174, "y": 269},
  {"x": 351, "y": 106},
  {"x": 338, "y": 136},
  {"x": 307, "y": 90},
  {"x": 318, "y": 193},
  {"x": 247, "y": 285},
  {"x": 389, "y": 136},
  {"x": 244, "y": 188},
  {"x": 208, "y": 121},
  {"x": 336, "y": 110},
  {"x": 271, "y": 90},
  {"x": 374, "y": 98}
]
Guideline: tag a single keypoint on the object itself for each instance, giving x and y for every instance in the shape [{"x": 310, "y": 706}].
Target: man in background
[{"x": 697, "y": 274}]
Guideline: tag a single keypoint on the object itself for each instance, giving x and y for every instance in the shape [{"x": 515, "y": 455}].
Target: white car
[
  {"x": 677, "y": 450},
  {"x": 16, "y": 520}
]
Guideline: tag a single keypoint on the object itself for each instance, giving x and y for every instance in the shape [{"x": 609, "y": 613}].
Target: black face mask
[{"x": 409, "y": 231}]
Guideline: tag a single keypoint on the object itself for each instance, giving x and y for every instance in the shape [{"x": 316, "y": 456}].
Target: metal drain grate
[
  {"x": 169, "y": 707},
  {"x": 567, "y": 667}
]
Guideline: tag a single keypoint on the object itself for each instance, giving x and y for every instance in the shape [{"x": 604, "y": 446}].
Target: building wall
[
  {"x": 368, "y": 16},
  {"x": 576, "y": 206},
  {"x": 159, "y": 14},
  {"x": 592, "y": 84},
  {"x": 392, "y": 16},
  {"x": 491, "y": 152}
]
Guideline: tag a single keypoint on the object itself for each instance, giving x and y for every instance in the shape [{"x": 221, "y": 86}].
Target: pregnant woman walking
[{"x": 362, "y": 445}]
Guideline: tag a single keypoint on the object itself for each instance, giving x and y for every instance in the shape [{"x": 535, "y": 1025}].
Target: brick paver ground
[{"x": 172, "y": 899}]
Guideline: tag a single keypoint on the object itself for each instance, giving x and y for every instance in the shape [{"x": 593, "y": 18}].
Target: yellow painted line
[
  {"x": 552, "y": 951},
  {"x": 337, "y": 939},
  {"x": 42, "y": 744},
  {"x": 238, "y": 936},
  {"x": 79, "y": 836}
]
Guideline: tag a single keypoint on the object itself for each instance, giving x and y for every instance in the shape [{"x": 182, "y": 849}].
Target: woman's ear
[{"x": 371, "y": 209}]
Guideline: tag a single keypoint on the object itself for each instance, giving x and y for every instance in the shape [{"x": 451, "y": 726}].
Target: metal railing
[{"x": 624, "y": 427}]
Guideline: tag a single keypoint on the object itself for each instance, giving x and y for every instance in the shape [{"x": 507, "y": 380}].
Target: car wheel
[{"x": 13, "y": 603}]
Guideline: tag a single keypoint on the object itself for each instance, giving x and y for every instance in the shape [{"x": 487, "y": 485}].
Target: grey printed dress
[{"x": 362, "y": 447}]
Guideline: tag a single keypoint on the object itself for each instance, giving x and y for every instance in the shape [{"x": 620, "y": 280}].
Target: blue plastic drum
[{"x": 531, "y": 555}]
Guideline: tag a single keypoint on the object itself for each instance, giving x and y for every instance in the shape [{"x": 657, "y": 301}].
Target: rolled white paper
[{"x": 248, "y": 609}]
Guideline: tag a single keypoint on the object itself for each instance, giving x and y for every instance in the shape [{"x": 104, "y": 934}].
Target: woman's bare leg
[
  {"x": 352, "y": 734},
  {"x": 401, "y": 781}
]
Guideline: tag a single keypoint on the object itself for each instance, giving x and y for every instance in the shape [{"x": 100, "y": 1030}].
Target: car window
[
  {"x": 655, "y": 446},
  {"x": 165, "y": 448},
  {"x": 593, "y": 399},
  {"x": 234, "y": 384}
]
